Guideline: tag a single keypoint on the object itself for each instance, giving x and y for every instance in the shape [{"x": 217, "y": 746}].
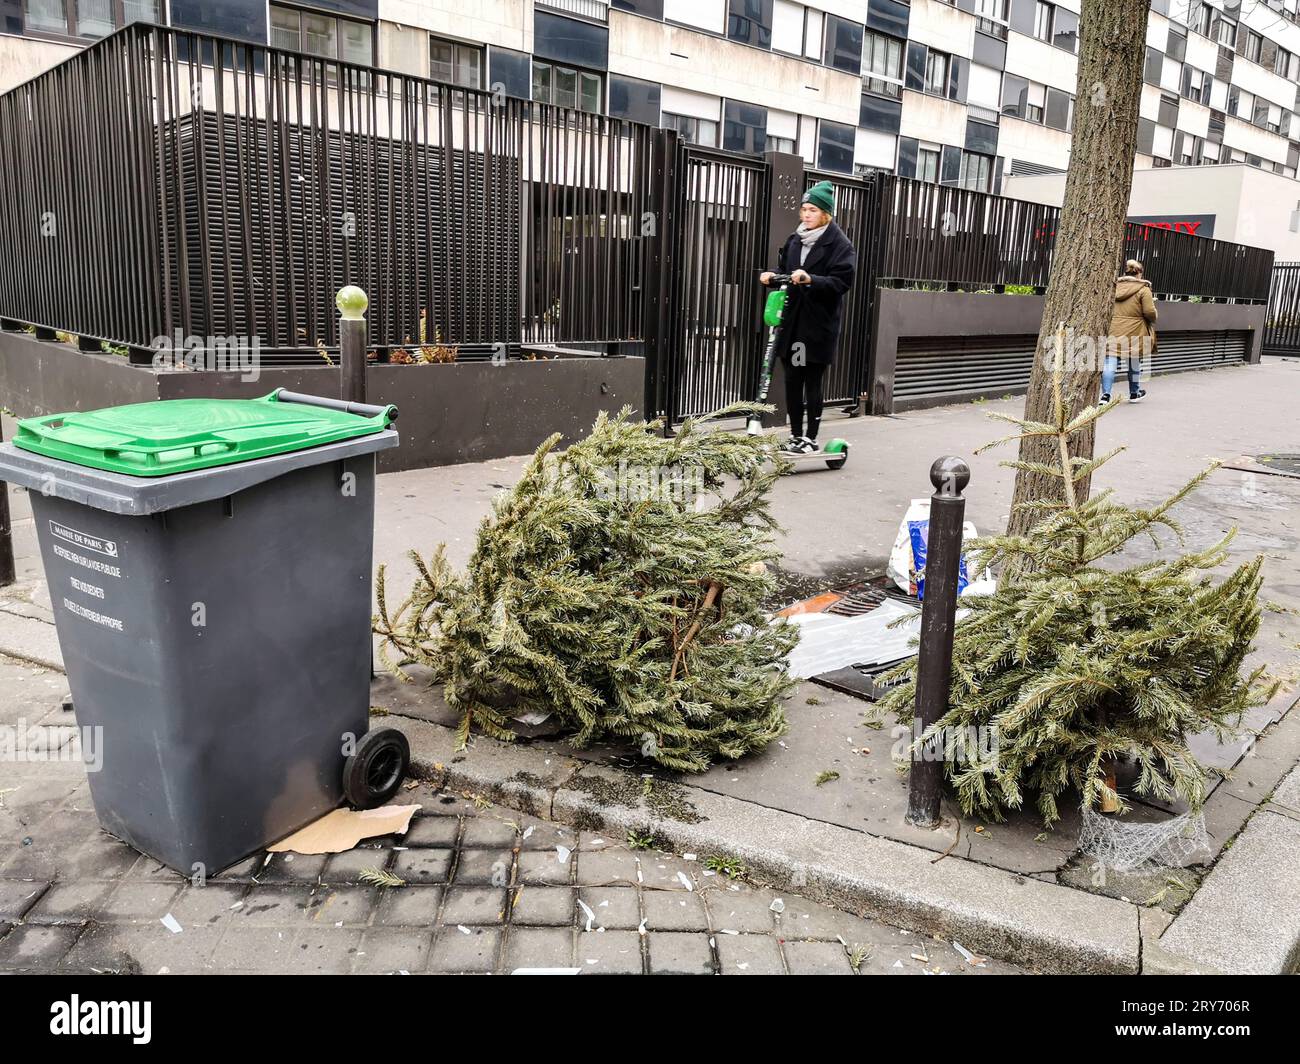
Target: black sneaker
[
  {"x": 803, "y": 445},
  {"x": 791, "y": 446},
  {"x": 1105, "y": 399},
  {"x": 1138, "y": 396}
]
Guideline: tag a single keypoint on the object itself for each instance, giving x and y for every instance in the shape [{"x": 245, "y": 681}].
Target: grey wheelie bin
[{"x": 209, "y": 568}]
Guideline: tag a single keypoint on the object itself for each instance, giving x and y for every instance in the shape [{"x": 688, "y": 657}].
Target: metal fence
[
  {"x": 164, "y": 182},
  {"x": 1282, "y": 329},
  {"x": 937, "y": 234}
]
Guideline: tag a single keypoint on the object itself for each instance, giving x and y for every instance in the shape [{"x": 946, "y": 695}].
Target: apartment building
[{"x": 961, "y": 92}]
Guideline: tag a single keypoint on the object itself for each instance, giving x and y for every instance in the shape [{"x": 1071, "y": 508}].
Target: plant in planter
[
  {"x": 620, "y": 586},
  {"x": 1077, "y": 665}
]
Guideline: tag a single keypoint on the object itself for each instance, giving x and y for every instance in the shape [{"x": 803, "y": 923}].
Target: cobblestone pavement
[{"x": 487, "y": 890}]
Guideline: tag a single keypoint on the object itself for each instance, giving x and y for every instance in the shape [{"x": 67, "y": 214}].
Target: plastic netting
[{"x": 1125, "y": 846}]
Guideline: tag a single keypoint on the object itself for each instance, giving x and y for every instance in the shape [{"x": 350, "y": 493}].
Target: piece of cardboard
[{"x": 342, "y": 829}]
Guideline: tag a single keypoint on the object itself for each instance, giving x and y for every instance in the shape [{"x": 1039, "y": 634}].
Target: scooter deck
[{"x": 834, "y": 459}]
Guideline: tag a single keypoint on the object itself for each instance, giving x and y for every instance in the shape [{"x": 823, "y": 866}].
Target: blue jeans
[{"x": 1108, "y": 374}]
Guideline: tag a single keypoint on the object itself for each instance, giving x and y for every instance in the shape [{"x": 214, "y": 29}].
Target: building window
[
  {"x": 461, "y": 64},
  {"x": 976, "y": 172},
  {"x": 1065, "y": 30},
  {"x": 1225, "y": 32},
  {"x": 843, "y": 44},
  {"x": 322, "y": 35},
  {"x": 1287, "y": 64},
  {"x": 936, "y": 73},
  {"x": 882, "y": 65},
  {"x": 1043, "y": 22},
  {"x": 567, "y": 86},
  {"x": 784, "y": 144},
  {"x": 927, "y": 165},
  {"x": 835, "y": 144},
  {"x": 750, "y": 22},
  {"x": 991, "y": 18},
  {"x": 87, "y": 18},
  {"x": 1199, "y": 18},
  {"x": 693, "y": 130},
  {"x": 1196, "y": 84}
]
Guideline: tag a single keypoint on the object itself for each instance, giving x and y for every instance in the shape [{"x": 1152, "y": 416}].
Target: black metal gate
[{"x": 1282, "y": 329}]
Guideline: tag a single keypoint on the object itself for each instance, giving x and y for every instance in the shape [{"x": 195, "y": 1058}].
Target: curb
[{"x": 1002, "y": 914}]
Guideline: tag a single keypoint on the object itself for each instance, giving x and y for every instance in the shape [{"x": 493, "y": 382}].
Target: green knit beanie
[{"x": 821, "y": 195}]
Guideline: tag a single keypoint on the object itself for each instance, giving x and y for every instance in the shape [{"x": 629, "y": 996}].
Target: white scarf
[{"x": 809, "y": 237}]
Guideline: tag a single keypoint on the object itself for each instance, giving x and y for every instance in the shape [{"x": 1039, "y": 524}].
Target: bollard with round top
[
  {"x": 949, "y": 475},
  {"x": 352, "y": 302}
]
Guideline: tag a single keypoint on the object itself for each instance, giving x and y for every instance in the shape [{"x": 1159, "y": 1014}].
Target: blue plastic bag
[{"x": 919, "y": 531}]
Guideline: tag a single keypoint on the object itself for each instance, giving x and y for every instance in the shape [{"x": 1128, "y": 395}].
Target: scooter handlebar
[{"x": 781, "y": 278}]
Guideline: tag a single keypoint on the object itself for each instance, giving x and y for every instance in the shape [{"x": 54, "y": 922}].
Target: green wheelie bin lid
[{"x": 180, "y": 435}]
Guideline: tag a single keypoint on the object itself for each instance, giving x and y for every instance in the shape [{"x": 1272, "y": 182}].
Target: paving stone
[
  {"x": 598, "y": 841},
  {"x": 347, "y": 867},
  {"x": 293, "y": 868},
  {"x": 324, "y": 950},
  {"x": 422, "y": 866},
  {"x": 474, "y": 906},
  {"x": 70, "y": 903},
  {"x": 816, "y": 958},
  {"x": 748, "y": 912},
  {"x": 138, "y": 901},
  {"x": 208, "y": 906},
  {"x": 410, "y": 906},
  {"x": 99, "y": 857},
  {"x": 455, "y": 951},
  {"x": 545, "y": 835},
  {"x": 539, "y": 947},
  {"x": 393, "y": 950},
  {"x": 749, "y": 955},
  {"x": 432, "y": 831},
  {"x": 243, "y": 871},
  {"x": 543, "y": 906},
  {"x": 486, "y": 831},
  {"x": 274, "y": 907},
  {"x": 613, "y": 953},
  {"x": 661, "y": 870},
  {"x": 674, "y": 910},
  {"x": 806, "y": 920},
  {"x": 37, "y": 946},
  {"x": 544, "y": 867},
  {"x": 142, "y": 948},
  {"x": 243, "y": 947},
  {"x": 484, "y": 868},
  {"x": 616, "y": 908},
  {"x": 607, "y": 867},
  {"x": 680, "y": 953},
  {"x": 147, "y": 868},
  {"x": 31, "y": 861},
  {"x": 17, "y": 896},
  {"x": 350, "y": 906},
  {"x": 66, "y": 828}
]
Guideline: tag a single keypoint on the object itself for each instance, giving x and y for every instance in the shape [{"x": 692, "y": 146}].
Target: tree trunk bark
[{"x": 1089, "y": 239}]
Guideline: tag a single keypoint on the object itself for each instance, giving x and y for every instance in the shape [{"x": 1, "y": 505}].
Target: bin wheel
[{"x": 372, "y": 775}]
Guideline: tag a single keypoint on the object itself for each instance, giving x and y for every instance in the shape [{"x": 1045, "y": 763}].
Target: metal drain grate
[
  {"x": 858, "y": 601},
  {"x": 1283, "y": 463}
]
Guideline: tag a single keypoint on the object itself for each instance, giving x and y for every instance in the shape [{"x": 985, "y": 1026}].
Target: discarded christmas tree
[
  {"x": 620, "y": 586},
  {"x": 1075, "y": 666}
]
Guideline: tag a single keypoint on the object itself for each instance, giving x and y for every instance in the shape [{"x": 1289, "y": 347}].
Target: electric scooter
[{"x": 835, "y": 452}]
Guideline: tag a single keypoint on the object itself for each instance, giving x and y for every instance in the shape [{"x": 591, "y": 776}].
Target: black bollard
[{"x": 949, "y": 475}]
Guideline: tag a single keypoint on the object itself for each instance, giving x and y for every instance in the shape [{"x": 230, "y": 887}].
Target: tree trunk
[{"x": 1089, "y": 238}]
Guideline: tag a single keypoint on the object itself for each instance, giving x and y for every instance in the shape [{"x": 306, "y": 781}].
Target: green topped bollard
[{"x": 352, "y": 302}]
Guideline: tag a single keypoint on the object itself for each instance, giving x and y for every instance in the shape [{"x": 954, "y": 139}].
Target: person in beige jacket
[{"x": 1132, "y": 331}]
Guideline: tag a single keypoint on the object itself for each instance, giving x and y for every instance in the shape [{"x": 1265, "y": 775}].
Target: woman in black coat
[{"x": 821, "y": 262}]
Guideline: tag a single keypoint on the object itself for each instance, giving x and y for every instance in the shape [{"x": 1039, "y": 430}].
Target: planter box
[{"x": 456, "y": 412}]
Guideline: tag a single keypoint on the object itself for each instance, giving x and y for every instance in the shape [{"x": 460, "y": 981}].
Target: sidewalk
[{"x": 1008, "y": 890}]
